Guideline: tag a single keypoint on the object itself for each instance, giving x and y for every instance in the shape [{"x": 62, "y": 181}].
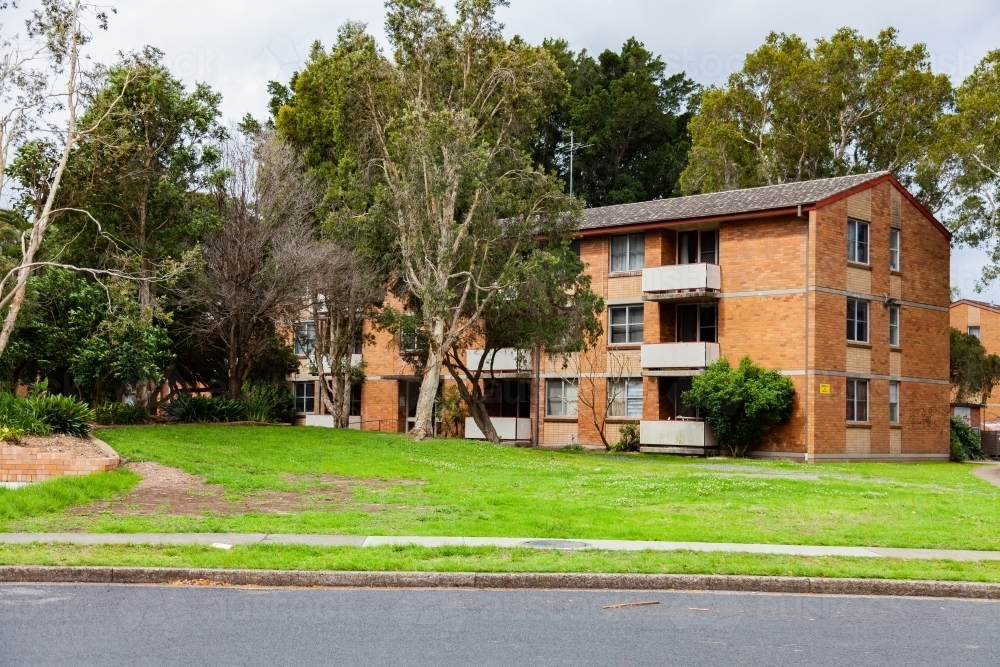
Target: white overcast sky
[{"x": 237, "y": 46}]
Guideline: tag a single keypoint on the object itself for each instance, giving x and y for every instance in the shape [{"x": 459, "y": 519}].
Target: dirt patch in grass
[
  {"x": 60, "y": 443},
  {"x": 169, "y": 491}
]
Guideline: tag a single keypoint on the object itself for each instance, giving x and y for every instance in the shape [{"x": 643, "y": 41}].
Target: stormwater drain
[{"x": 556, "y": 544}]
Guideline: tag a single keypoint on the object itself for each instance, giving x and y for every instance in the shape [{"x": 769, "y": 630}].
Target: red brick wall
[{"x": 30, "y": 464}]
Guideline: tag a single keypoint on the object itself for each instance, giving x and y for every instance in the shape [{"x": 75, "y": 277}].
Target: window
[
  {"x": 359, "y": 343},
  {"x": 893, "y": 402},
  {"x": 857, "y": 320},
  {"x": 695, "y": 247},
  {"x": 626, "y": 324},
  {"x": 894, "y": 326},
  {"x": 894, "y": 249},
  {"x": 697, "y": 323},
  {"x": 305, "y": 397},
  {"x": 305, "y": 338},
  {"x": 628, "y": 252},
  {"x": 560, "y": 398},
  {"x": 574, "y": 247},
  {"x": 974, "y": 331},
  {"x": 625, "y": 398},
  {"x": 857, "y": 241},
  {"x": 355, "y": 409},
  {"x": 409, "y": 334},
  {"x": 857, "y": 400}
]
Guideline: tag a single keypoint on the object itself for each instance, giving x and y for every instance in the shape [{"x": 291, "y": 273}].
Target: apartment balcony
[
  {"x": 673, "y": 358},
  {"x": 508, "y": 428},
  {"x": 504, "y": 361},
  {"x": 681, "y": 282},
  {"x": 680, "y": 436}
]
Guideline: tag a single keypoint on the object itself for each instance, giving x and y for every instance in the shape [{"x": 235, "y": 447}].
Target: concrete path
[{"x": 224, "y": 540}]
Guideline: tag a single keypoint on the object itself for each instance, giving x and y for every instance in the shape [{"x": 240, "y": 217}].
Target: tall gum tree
[{"x": 439, "y": 133}]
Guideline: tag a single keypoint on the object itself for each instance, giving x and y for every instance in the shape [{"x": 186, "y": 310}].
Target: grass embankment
[
  {"x": 469, "y": 488},
  {"x": 61, "y": 493},
  {"x": 490, "y": 559}
]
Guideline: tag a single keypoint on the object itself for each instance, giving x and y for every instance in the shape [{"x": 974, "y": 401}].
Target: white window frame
[
  {"x": 409, "y": 341},
  {"x": 893, "y": 402},
  {"x": 853, "y": 329},
  {"x": 630, "y": 258},
  {"x": 894, "y": 326},
  {"x": 858, "y": 241},
  {"x": 977, "y": 333},
  {"x": 564, "y": 402},
  {"x": 633, "y": 330},
  {"x": 303, "y": 343},
  {"x": 304, "y": 397},
  {"x": 857, "y": 406},
  {"x": 625, "y": 398},
  {"x": 894, "y": 252}
]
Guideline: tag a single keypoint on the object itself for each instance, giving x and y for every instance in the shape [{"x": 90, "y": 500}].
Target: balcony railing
[
  {"x": 507, "y": 360},
  {"x": 667, "y": 356},
  {"x": 681, "y": 281},
  {"x": 677, "y": 433},
  {"x": 508, "y": 428}
]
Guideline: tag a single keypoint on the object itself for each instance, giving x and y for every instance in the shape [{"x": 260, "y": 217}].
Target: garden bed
[{"x": 38, "y": 458}]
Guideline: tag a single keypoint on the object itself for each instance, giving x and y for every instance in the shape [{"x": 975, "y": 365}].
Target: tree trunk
[
  {"x": 344, "y": 418},
  {"x": 424, "y": 427},
  {"x": 474, "y": 399}
]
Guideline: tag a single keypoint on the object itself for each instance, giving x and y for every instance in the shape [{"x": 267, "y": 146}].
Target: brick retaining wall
[{"x": 30, "y": 464}]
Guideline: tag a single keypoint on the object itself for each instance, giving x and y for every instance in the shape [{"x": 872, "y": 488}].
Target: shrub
[
  {"x": 741, "y": 404},
  {"x": 18, "y": 417},
  {"x": 118, "y": 413},
  {"x": 268, "y": 403},
  {"x": 628, "y": 438},
  {"x": 64, "y": 414},
  {"x": 190, "y": 409},
  {"x": 964, "y": 442}
]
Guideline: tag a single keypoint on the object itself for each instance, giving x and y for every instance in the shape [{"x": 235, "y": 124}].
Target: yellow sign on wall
[{"x": 824, "y": 389}]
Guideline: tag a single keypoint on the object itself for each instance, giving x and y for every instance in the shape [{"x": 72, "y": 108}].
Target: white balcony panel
[
  {"x": 678, "y": 433},
  {"x": 320, "y": 420},
  {"x": 508, "y": 428},
  {"x": 682, "y": 277},
  {"x": 505, "y": 360},
  {"x": 679, "y": 355}
]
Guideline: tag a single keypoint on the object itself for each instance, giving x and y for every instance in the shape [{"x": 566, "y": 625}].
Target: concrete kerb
[{"x": 497, "y": 581}]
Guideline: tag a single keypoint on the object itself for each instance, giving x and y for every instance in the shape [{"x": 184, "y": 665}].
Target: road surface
[{"x": 110, "y": 625}]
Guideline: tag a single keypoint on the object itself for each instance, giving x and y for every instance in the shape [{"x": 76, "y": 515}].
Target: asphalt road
[{"x": 178, "y": 625}]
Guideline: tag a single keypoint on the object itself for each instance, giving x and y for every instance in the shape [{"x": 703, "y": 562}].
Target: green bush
[
  {"x": 628, "y": 438},
  {"x": 964, "y": 442},
  {"x": 741, "y": 404},
  {"x": 268, "y": 403},
  {"x": 18, "y": 418},
  {"x": 64, "y": 414},
  {"x": 194, "y": 409},
  {"x": 118, "y": 413}
]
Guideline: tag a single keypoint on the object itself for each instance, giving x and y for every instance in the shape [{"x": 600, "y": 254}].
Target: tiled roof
[{"x": 723, "y": 203}]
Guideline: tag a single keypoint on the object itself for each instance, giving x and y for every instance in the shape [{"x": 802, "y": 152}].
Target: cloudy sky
[{"x": 237, "y": 46}]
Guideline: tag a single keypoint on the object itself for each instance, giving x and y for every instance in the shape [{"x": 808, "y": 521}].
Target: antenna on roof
[{"x": 571, "y": 147}]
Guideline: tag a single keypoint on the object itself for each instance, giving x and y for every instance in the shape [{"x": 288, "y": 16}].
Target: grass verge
[
  {"x": 493, "y": 559},
  {"x": 60, "y": 493}
]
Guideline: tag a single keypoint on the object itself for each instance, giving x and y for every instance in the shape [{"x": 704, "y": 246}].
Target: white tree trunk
[{"x": 424, "y": 427}]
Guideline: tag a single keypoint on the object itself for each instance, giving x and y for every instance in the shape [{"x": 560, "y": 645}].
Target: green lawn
[
  {"x": 450, "y": 487},
  {"x": 490, "y": 559}
]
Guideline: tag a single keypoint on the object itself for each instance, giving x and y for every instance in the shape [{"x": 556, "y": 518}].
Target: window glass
[
  {"x": 687, "y": 247},
  {"x": 305, "y": 397},
  {"x": 709, "y": 247},
  {"x": 687, "y": 323},
  {"x": 625, "y": 323},
  {"x": 708, "y": 323},
  {"x": 305, "y": 338},
  {"x": 355, "y": 410},
  {"x": 857, "y": 241},
  {"x": 894, "y": 326},
  {"x": 894, "y": 402},
  {"x": 974, "y": 331},
  {"x": 857, "y": 320},
  {"x": 561, "y": 398},
  {"x": 894, "y": 249},
  {"x": 625, "y": 398},
  {"x": 628, "y": 252},
  {"x": 574, "y": 246},
  {"x": 857, "y": 400}
]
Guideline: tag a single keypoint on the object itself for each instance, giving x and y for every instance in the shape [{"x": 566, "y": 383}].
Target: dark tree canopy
[{"x": 630, "y": 118}]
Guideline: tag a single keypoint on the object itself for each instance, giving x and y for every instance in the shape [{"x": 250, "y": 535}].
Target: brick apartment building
[
  {"x": 842, "y": 284},
  {"x": 982, "y": 320}
]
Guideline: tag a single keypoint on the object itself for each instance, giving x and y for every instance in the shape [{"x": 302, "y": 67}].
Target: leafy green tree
[
  {"x": 440, "y": 133},
  {"x": 630, "y": 118},
  {"x": 974, "y": 373},
  {"x": 741, "y": 404},
  {"x": 848, "y": 105}
]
